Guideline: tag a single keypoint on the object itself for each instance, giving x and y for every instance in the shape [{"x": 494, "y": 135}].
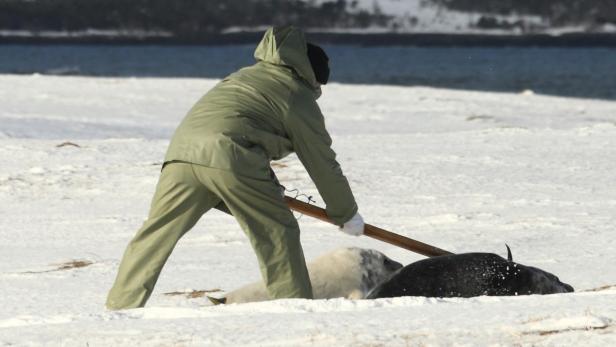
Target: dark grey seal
[{"x": 467, "y": 275}]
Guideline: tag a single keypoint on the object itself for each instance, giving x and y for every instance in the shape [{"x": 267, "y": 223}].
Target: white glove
[{"x": 354, "y": 226}]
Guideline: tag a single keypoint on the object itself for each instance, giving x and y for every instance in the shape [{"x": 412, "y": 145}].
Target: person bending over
[{"x": 220, "y": 157}]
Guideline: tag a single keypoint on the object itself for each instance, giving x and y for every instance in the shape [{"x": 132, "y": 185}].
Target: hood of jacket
[{"x": 286, "y": 46}]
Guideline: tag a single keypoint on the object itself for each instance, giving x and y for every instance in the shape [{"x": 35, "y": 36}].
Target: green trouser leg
[
  {"x": 257, "y": 205},
  {"x": 183, "y": 194},
  {"x": 180, "y": 200}
]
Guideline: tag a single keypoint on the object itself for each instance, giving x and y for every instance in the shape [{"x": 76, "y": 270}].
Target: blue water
[{"x": 580, "y": 72}]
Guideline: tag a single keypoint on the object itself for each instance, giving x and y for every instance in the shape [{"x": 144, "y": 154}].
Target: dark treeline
[
  {"x": 181, "y": 17},
  {"x": 193, "y": 18}
]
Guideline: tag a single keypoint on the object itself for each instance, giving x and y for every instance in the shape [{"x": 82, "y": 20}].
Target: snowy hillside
[
  {"x": 464, "y": 171},
  {"x": 424, "y": 16}
]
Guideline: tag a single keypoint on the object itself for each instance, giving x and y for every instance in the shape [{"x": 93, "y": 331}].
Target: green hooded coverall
[{"x": 220, "y": 155}]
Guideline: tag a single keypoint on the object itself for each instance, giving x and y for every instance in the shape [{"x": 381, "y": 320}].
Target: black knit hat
[{"x": 319, "y": 61}]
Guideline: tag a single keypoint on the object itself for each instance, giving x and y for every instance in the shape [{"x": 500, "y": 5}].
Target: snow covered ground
[{"x": 464, "y": 171}]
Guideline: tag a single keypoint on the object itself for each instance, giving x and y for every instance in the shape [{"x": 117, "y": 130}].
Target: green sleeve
[{"x": 305, "y": 127}]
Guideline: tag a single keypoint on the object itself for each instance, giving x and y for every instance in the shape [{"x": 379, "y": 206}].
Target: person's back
[{"x": 246, "y": 110}]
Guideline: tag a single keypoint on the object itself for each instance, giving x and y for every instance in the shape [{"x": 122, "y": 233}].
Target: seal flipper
[
  {"x": 217, "y": 301},
  {"x": 509, "y": 256}
]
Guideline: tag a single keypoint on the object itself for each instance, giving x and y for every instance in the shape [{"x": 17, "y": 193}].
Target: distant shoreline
[{"x": 369, "y": 39}]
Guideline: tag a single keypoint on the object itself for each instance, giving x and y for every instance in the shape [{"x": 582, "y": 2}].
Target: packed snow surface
[{"x": 464, "y": 171}]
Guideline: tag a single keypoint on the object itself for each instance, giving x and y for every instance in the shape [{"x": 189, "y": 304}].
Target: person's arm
[{"x": 305, "y": 127}]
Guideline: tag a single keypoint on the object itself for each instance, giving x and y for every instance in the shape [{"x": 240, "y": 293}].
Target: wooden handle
[{"x": 369, "y": 230}]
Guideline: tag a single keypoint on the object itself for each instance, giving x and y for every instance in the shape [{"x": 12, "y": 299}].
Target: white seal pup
[
  {"x": 467, "y": 275},
  {"x": 346, "y": 272}
]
